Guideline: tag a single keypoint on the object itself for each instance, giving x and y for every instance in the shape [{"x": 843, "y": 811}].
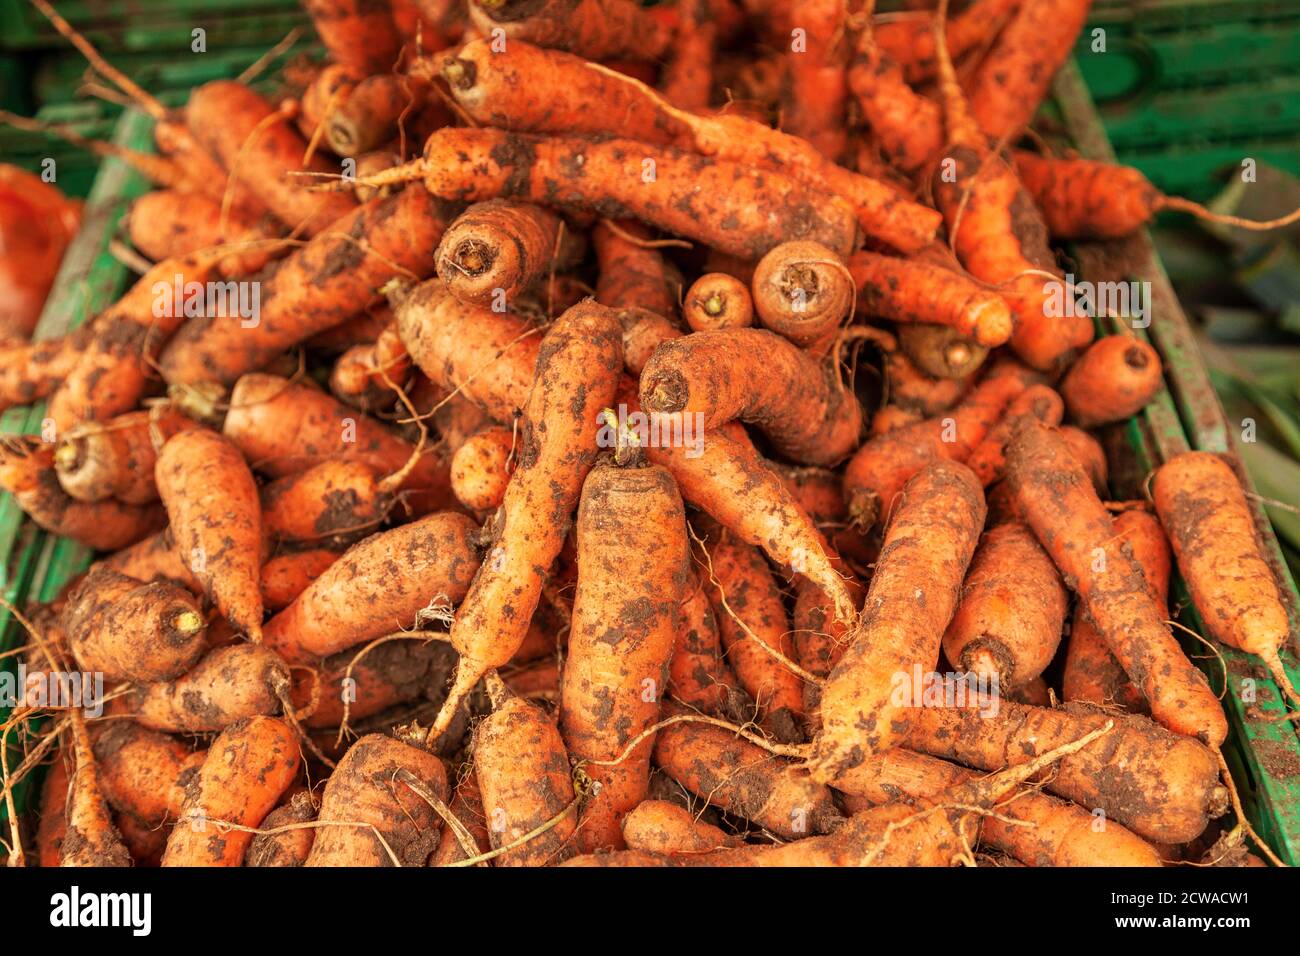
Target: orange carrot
[
  {"x": 33, "y": 370},
  {"x": 335, "y": 502},
  {"x": 53, "y": 825},
  {"x": 357, "y": 34},
  {"x": 290, "y": 847},
  {"x": 914, "y": 591},
  {"x": 216, "y": 520},
  {"x": 988, "y": 458},
  {"x": 1058, "y": 502},
  {"x": 167, "y": 224},
  {"x": 247, "y": 770},
  {"x": 373, "y": 112},
  {"x": 907, "y": 127},
  {"x": 368, "y": 376},
  {"x": 803, "y": 290},
  {"x": 656, "y": 826},
  {"x": 480, "y": 469},
  {"x": 1115, "y": 378},
  {"x": 814, "y": 103},
  {"x": 467, "y": 807},
  {"x": 385, "y": 675},
  {"x": 497, "y": 249},
  {"x": 226, "y": 685},
  {"x": 718, "y": 301},
  {"x": 91, "y": 838},
  {"x": 697, "y": 674},
  {"x": 1089, "y": 453},
  {"x": 286, "y": 576},
  {"x": 142, "y": 772},
  {"x": 116, "y": 459},
  {"x": 598, "y": 29},
  {"x": 154, "y": 558}
]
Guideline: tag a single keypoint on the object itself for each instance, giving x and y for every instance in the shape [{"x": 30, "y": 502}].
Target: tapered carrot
[
  {"x": 1091, "y": 672},
  {"x": 988, "y": 458},
  {"x": 525, "y": 781},
  {"x": 27, "y": 472},
  {"x": 578, "y": 368},
  {"x": 129, "y": 630},
  {"x": 116, "y": 459},
  {"x": 374, "y": 807},
  {"x": 1115, "y": 378},
  {"x": 256, "y": 145},
  {"x": 632, "y": 568},
  {"x": 247, "y": 770},
  {"x": 1181, "y": 789},
  {"x": 216, "y": 520},
  {"x": 817, "y": 90},
  {"x": 289, "y": 847},
  {"x": 1008, "y": 624},
  {"x": 697, "y": 674},
  {"x": 909, "y": 290},
  {"x": 228, "y": 684},
  {"x": 599, "y": 29},
  {"x": 745, "y": 780},
  {"x": 332, "y": 503},
  {"x": 800, "y": 403},
  {"x": 91, "y": 838},
  {"x": 33, "y": 370},
  {"x": 318, "y": 285},
  {"x": 1013, "y": 78},
  {"x": 358, "y": 34},
  {"x": 1058, "y": 502},
  {"x": 364, "y": 594},
  {"x": 1233, "y": 588},
  {"x": 914, "y": 591},
  {"x": 803, "y": 290}
]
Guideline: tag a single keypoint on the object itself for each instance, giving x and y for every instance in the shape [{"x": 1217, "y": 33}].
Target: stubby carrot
[
  {"x": 657, "y": 826},
  {"x": 496, "y": 249},
  {"x": 116, "y": 459},
  {"x": 1058, "y": 502},
  {"x": 228, "y": 684},
  {"x": 364, "y": 594},
  {"x": 290, "y": 846},
  {"x": 913, "y": 594},
  {"x": 480, "y": 469},
  {"x": 803, "y": 290},
  {"x": 1233, "y": 587},
  {"x": 1115, "y": 378},
  {"x": 718, "y": 301},
  {"x": 142, "y": 772},
  {"x": 247, "y": 770},
  {"x": 578, "y": 368}
]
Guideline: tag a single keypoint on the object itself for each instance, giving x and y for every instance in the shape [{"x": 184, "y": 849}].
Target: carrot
[
  {"x": 248, "y": 768},
  {"x": 910, "y": 40},
  {"x": 683, "y": 193},
  {"x": 216, "y": 520},
  {"x": 909, "y": 290},
  {"x": 819, "y": 639},
  {"x": 116, "y": 459},
  {"x": 745, "y": 780},
  {"x": 1203, "y": 509},
  {"x": 319, "y": 285},
  {"x": 335, "y": 502},
  {"x": 687, "y": 79},
  {"x": 111, "y": 375},
  {"x": 698, "y": 676},
  {"x": 289, "y": 847},
  {"x": 226, "y": 685},
  {"x": 1008, "y": 623},
  {"x": 803, "y": 290},
  {"x": 372, "y": 112},
  {"x": 1091, "y": 672},
  {"x": 286, "y": 576},
  {"x": 914, "y": 591},
  {"x": 632, "y": 568},
  {"x": 748, "y": 607},
  {"x": 466, "y": 806},
  {"x": 1089, "y": 453},
  {"x": 631, "y": 273},
  {"x": 718, "y": 301},
  {"x": 988, "y": 458},
  {"x": 480, "y": 469},
  {"x": 497, "y": 249},
  {"x": 365, "y": 594},
  {"x": 368, "y": 376},
  {"x": 813, "y": 106},
  {"x": 357, "y": 34},
  {"x": 1060, "y": 505},
  {"x": 912, "y": 389},
  {"x": 166, "y": 224},
  {"x": 880, "y": 468},
  {"x": 597, "y": 29},
  {"x": 52, "y": 827},
  {"x": 91, "y": 839},
  {"x": 142, "y": 772},
  {"x": 1114, "y": 379},
  {"x": 128, "y": 630},
  {"x": 1013, "y": 78},
  {"x": 1032, "y": 827},
  {"x": 330, "y": 86},
  {"x": 384, "y": 676},
  {"x": 656, "y": 826},
  {"x": 27, "y": 472},
  {"x": 524, "y": 778},
  {"x": 1180, "y": 790},
  {"x": 995, "y": 231},
  {"x": 154, "y": 558},
  {"x": 487, "y": 357},
  {"x": 578, "y": 365},
  {"x": 374, "y": 808},
  {"x": 797, "y": 401},
  {"x": 30, "y": 371}
]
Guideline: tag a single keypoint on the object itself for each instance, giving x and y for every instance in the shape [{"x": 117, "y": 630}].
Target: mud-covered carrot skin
[
  {"x": 226, "y": 685},
  {"x": 1056, "y": 499},
  {"x": 525, "y": 781},
  {"x": 907, "y": 126},
  {"x": 1161, "y": 785},
  {"x": 33, "y": 370},
  {"x": 720, "y": 203},
  {"x": 91, "y": 838},
  {"x": 758, "y": 377},
  {"x": 1115, "y": 378},
  {"x": 496, "y": 249},
  {"x": 167, "y": 224},
  {"x": 289, "y": 847},
  {"x": 988, "y": 459},
  {"x": 116, "y": 459},
  {"x": 718, "y": 301},
  {"x": 697, "y": 674},
  {"x": 357, "y": 34},
  {"x": 480, "y": 469},
  {"x": 910, "y": 40},
  {"x": 915, "y": 588},
  {"x": 1085, "y": 198},
  {"x": 1008, "y": 624},
  {"x": 369, "y": 788},
  {"x": 466, "y": 806},
  {"x": 803, "y": 291},
  {"x": 1091, "y": 672},
  {"x": 657, "y": 826},
  {"x": 142, "y": 772},
  {"x": 632, "y": 571},
  {"x": 331, "y": 503},
  {"x": 366, "y": 594},
  {"x": 579, "y": 364},
  {"x": 249, "y": 766},
  {"x": 1203, "y": 508}
]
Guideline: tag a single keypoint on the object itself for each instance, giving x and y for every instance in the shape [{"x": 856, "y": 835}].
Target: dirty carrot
[{"x": 1115, "y": 378}]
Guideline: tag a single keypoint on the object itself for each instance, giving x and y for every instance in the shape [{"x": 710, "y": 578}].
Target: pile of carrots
[{"x": 644, "y": 409}]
